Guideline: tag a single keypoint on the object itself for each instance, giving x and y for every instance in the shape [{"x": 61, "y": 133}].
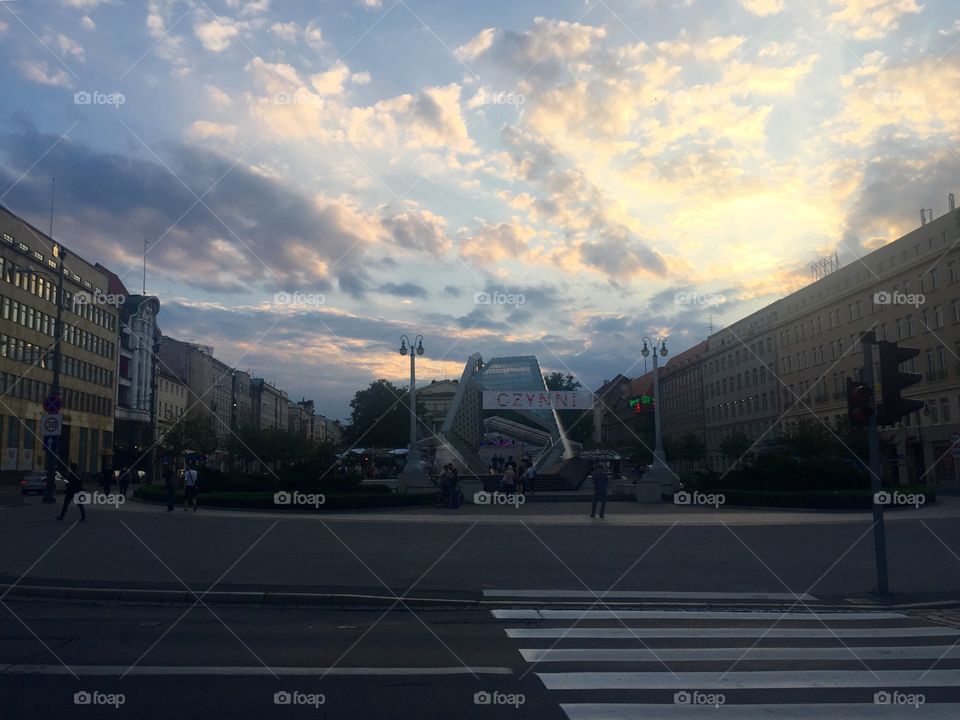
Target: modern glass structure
[{"x": 464, "y": 426}]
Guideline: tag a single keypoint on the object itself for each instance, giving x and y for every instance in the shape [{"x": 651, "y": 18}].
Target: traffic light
[
  {"x": 859, "y": 403},
  {"x": 892, "y": 382}
]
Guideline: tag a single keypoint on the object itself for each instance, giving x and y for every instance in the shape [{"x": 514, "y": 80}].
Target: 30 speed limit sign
[{"x": 51, "y": 424}]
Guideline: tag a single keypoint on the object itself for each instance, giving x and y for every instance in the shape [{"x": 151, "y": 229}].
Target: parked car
[{"x": 36, "y": 482}]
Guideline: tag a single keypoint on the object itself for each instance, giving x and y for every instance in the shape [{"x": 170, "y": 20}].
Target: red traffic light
[{"x": 859, "y": 403}]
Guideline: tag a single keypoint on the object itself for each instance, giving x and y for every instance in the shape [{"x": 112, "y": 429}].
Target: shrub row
[{"x": 817, "y": 499}]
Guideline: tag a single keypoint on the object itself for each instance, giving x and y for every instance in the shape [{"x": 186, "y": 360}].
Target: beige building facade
[
  {"x": 789, "y": 362},
  {"x": 29, "y": 265}
]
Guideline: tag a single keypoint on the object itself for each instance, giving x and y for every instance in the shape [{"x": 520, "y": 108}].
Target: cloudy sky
[{"x": 316, "y": 179}]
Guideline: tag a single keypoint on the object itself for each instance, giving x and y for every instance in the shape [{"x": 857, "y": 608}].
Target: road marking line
[
  {"x": 753, "y": 632},
  {"x": 646, "y": 595},
  {"x": 248, "y": 670},
  {"x": 896, "y": 652},
  {"x": 780, "y": 680},
  {"x": 812, "y": 711},
  {"x": 522, "y": 614}
]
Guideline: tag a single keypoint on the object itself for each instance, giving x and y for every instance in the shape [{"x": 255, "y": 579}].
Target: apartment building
[
  {"x": 269, "y": 406},
  {"x": 242, "y": 413},
  {"x": 740, "y": 386},
  {"x": 681, "y": 385},
  {"x": 29, "y": 267},
  {"x": 437, "y": 399},
  {"x": 209, "y": 383},
  {"x": 908, "y": 292},
  {"x": 171, "y": 398}
]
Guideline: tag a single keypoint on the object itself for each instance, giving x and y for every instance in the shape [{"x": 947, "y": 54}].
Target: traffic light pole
[{"x": 873, "y": 441}]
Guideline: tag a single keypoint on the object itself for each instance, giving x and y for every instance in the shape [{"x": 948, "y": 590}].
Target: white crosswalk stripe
[{"x": 614, "y": 663}]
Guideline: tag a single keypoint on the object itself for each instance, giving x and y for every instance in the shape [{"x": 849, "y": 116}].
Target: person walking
[
  {"x": 190, "y": 488},
  {"x": 599, "y": 491},
  {"x": 169, "y": 485},
  {"x": 74, "y": 486}
]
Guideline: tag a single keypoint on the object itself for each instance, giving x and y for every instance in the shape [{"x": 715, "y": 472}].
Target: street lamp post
[
  {"x": 649, "y": 488},
  {"x": 412, "y": 471},
  {"x": 49, "y": 495}
]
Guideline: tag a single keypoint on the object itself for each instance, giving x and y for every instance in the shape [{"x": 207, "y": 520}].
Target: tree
[
  {"x": 380, "y": 416},
  {"x": 735, "y": 447},
  {"x": 559, "y": 381},
  {"x": 188, "y": 433},
  {"x": 576, "y": 424},
  {"x": 688, "y": 447}
]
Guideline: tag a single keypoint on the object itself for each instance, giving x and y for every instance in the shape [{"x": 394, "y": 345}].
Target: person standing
[
  {"x": 107, "y": 480},
  {"x": 452, "y": 483},
  {"x": 124, "y": 481},
  {"x": 509, "y": 480},
  {"x": 599, "y": 491},
  {"x": 74, "y": 486},
  {"x": 190, "y": 487},
  {"x": 529, "y": 476},
  {"x": 170, "y": 485}
]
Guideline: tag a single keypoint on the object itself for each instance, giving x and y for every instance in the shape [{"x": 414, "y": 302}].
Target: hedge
[{"x": 818, "y": 500}]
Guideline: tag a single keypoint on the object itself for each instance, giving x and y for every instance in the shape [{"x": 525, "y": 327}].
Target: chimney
[
  {"x": 923, "y": 216},
  {"x": 952, "y": 202}
]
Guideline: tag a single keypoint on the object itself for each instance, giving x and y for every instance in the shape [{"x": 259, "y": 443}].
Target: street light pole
[
  {"x": 649, "y": 490},
  {"x": 49, "y": 495},
  {"x": 412, "y": 469}
]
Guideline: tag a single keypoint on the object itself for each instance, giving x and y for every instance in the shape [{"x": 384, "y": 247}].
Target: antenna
[{"x": 53, "y": 188}]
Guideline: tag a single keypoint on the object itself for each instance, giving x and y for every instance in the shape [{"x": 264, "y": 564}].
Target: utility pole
[{"x": 868, "y": 340}]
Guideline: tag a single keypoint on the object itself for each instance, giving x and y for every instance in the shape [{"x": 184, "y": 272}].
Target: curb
[{"x": 373, "y": 601}]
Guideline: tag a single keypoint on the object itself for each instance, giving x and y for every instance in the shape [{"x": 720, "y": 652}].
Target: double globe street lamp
[
  {"x": 659, "y": 474},
  {"x": 412, "y": 470}
]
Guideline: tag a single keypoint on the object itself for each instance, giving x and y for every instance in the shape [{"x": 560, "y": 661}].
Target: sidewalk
[{"x": 619, "y": 513}]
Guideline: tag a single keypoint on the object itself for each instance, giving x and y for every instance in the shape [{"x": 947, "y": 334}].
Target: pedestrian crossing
[{"x": 734, "y": 658}]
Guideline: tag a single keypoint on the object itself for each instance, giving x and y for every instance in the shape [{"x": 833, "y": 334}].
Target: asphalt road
[
  {"x": 459, "y": 557},
  {"x": 171, "y": 661}
]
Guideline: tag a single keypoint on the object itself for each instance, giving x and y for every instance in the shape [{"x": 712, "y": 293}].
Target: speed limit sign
[{"x": 51, "y": 424}]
